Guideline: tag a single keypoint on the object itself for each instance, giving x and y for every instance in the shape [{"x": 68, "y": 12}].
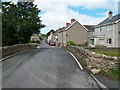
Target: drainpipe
[{"x": 113, "y": 36}]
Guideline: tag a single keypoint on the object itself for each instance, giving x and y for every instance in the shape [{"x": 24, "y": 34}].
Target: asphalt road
[{"x": 47, "y": 67}]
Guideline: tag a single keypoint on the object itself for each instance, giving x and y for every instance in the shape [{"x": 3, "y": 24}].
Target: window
[
  {"x": 92, "y": 41},
  {"x": 109, "y": 41},
  {"x": 119, "y": 32},
  {"x": 92, "y": 33},
  {"x": 97, "y": 29},
  {"x": 110, "y": 27},
  {"x": 101, "y": 41},
  {"x": 104, "y": 27},
  {"x": 100, "y": 28}
]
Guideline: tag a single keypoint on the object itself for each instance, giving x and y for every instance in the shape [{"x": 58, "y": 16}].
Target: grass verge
[
  {"x": 33, "y": 44},
  {"x": 109, "y": 53},
  {"x": 83, "y": 62},
  {"x": 112, "y": 73}
]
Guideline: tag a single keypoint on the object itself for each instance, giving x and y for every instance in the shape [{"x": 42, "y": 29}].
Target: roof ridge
[
  {"x": 107, "y": 21},
  {"x": 71, "y": 25}
]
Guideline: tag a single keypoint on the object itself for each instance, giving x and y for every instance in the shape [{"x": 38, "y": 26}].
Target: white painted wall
[
  {"x": 50, "y": 37},
  {"x": 62, "y": 37},
  {"x": 116, "y": 35},
  {"x": 103, "y": 33}
]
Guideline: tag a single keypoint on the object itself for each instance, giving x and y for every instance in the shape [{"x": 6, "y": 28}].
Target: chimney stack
[
  {"x": 67, "y": 24},
  {"x": 73, "y": 20},
  {"x": 110, "y": 15}
]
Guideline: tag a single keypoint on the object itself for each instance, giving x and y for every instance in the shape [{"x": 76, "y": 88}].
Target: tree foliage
[
  {"x": 51, "y": 31},
  {"x": 19, "y": 22}
]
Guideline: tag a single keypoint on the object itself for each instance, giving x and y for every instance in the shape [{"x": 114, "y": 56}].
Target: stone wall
[
  {"x": 8, "y": 50},
  {"x": 95, "y": 62}
]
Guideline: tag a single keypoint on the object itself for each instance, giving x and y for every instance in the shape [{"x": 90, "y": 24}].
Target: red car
[{"x": 52, "y": 43}]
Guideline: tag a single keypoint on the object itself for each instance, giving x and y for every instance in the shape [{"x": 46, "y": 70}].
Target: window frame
[
  {"x": 109, "y": 40},
  {"x": 109, "y": 27}
]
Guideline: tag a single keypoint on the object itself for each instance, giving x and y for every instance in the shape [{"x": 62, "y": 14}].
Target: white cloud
[
  {"x": 58, "y": 18},
  {"x": 56, "y": 12}
]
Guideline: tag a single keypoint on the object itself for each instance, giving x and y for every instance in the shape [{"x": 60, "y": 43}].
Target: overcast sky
[{"x": 55, "y": 13}]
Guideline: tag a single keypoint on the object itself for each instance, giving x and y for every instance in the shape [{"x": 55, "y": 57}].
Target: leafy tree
[
  {"x": 50, "y": 32},
  {"x": 9, "y": 32},
  {"x": 0, "y": 23},
  {"x": 20, "y": 21},
  {"x": 30, "y": 22}
]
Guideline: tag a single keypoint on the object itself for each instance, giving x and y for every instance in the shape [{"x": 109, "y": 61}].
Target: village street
[
  {"x": 60, "y": 44},
  {"x": 46, "y": 67}
]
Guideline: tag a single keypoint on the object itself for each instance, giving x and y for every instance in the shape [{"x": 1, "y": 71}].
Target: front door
[{"x": 92, "y": 41}]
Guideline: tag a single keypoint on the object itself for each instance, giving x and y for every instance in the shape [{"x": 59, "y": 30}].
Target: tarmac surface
[{"x": 46, "y": 67}]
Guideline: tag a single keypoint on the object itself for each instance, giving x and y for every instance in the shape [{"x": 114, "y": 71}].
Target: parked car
[
  {"x": 60, "y": 44},
  {"x": 52, "y": 43}
]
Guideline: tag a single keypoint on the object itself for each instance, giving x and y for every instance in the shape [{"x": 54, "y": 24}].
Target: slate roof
[
  {"x": 107, "y": 21},
  {"x": 56, "y": 33},
  {"x": 59, "y": 30},
  {"x": 90, "y": 27}
]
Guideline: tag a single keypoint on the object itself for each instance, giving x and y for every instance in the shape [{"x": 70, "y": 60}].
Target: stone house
[
  {"x": 50, "y": 37},
  {"x": 107, "y": 32},
  {"x": 74, "y": 31},
  {"x": 62, "y": 35},
  {"x": 59, "y": 35},
  {"x": 77, "y": 32},
  {"x": 35, "y": 37}
]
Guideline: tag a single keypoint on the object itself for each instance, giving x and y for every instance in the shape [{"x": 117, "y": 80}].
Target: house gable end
[{"x": 74, "y": 24}]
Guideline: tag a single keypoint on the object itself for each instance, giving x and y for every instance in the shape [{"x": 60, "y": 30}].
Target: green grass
[
  {"x": 83, "y": 62},
  {"x": 112, "y": 73},
  {"x": 109, "y": 53},
  {"x": 33, "y": 44}
]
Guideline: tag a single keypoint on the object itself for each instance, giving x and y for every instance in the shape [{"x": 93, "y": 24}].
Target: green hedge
[{"x": 71, "y": 43}]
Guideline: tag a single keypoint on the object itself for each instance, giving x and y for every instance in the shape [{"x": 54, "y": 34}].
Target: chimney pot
[
  {"x": 67, "y": 24},
  {"x": 73, "y": 20}
]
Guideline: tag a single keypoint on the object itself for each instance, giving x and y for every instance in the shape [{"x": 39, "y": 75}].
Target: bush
[{"x": 71, "y": 43}]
